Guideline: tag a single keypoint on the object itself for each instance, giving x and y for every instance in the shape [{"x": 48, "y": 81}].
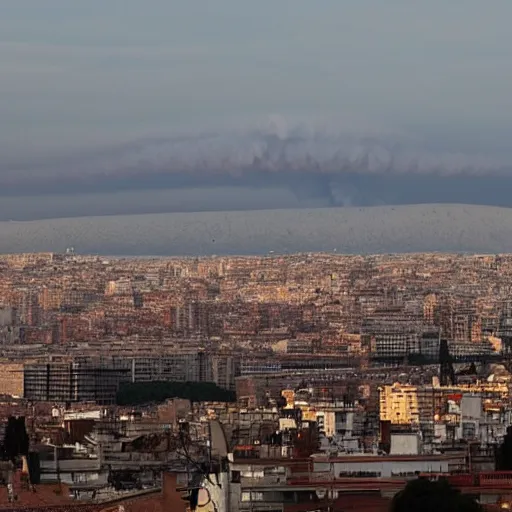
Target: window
[{"x": 252, "y": 496}]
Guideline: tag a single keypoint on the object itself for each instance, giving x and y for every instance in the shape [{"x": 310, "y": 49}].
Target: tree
[
  {"x": 16, "y": 442},
  {"x": 422, "y": 495},
  {"x": 137, "y": 393},
  {"x": 504, "y": 455}
]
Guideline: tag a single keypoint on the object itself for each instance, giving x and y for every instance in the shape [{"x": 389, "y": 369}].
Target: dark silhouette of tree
[
  {"x": 281, "y": 402},
  {"x": 422, "y": 495},
  {"x": 137, "y": 393},
  {"x": 504, "y": 453},
  {"x": 16, "y": 442}
]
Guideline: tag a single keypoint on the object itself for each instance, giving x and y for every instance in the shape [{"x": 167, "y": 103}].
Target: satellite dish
[{"x": 218, "y": 440}]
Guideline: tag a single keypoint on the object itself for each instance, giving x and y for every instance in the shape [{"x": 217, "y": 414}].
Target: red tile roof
[
  {"x": 47, "y": 497},
  {"x": 346, "y": 503}
]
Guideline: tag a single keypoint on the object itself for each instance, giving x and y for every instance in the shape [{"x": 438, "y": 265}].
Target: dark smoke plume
[{"x": 275, "y": 154}]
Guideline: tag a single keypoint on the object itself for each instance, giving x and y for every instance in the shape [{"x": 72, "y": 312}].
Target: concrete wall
[
  {"x": 220, "y": 494},
  {"x": 471, "y": 407},
  {"x": 11, "y": 379},
  {"x": 7, "y": 316},
  {"x": 387, "y": 468},
  {"x": 405, "y": 444}
]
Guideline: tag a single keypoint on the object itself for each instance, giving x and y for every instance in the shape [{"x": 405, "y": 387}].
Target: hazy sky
[
  {"x": 89, "y": 74},
  {"x": 73, "y": 71}
]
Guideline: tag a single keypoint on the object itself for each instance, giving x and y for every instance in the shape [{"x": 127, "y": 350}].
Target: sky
[{"x": 122, "y": 106}]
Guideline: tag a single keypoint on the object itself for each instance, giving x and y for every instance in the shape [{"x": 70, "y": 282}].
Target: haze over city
[{"x": 129, "y": 108}]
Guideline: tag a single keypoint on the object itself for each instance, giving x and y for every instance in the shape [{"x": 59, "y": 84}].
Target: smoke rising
[
  {"x": 273, "y": 149},
  {"x": 272, "y": 166},
  {"x": 280, "y": 149}
]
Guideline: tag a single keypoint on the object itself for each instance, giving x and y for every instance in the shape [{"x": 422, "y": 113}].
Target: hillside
[{"x": 417, "y": 228}]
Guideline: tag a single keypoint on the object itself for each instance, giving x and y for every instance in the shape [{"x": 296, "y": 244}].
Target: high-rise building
[{"x": 71, "y": 382}]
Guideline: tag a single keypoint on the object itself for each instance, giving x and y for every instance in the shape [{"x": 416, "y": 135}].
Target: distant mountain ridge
[{"x": 380, "y": 229}]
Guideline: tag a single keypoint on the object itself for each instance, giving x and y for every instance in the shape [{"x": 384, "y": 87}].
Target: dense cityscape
[
  {"x": 255, "y": 256},
  {"x": 286, "y": 382}
]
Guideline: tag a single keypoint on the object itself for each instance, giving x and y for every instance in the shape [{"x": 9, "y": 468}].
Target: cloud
[
  {"x": 275, "y": 148},
  {"x": 276, "y": 164},
  {"x": 280, "y": 148}
]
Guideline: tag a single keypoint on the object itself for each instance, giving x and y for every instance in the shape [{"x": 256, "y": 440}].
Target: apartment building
[
  {"x": 399, "y": 404},
  {"x": 71, "y": 382}
]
